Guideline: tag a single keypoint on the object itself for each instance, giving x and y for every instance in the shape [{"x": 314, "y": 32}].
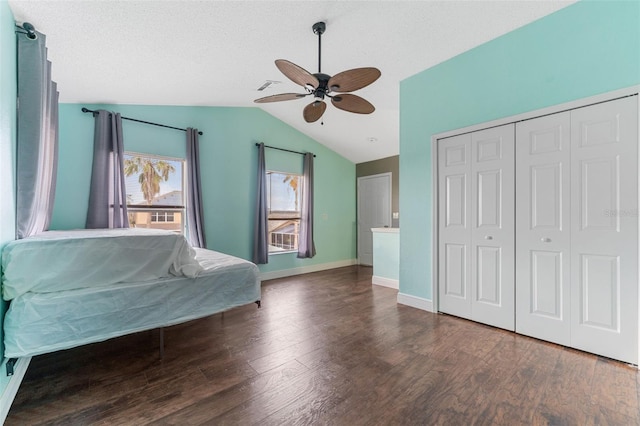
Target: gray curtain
[
  {"x": 195, "y": 223},
  {"x": 306, "y": 247},
  {"x": 37, "y": 137},
  {"x": 107, "y": 195},
  {"x": 261, "y": 228}
]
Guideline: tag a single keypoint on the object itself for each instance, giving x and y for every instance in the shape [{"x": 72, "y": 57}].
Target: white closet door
[
  {"x": 492, "y": 232},
  {"x": 604, "y": 219},
  {"x": 543, "y": 268},
  {"x": 476, "y": 226},
  {"x": 454, "y": 225}
]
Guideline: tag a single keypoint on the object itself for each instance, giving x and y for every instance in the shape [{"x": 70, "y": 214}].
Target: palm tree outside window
[{"x": 155, "y": 191}]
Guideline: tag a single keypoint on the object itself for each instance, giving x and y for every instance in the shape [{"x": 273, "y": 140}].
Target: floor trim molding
[
  {"x": 385, "y": 282},
  {"x": 11, "y": 390},
  {"x": 415, "y": 302},
  {"x": 306, "y": 269}
]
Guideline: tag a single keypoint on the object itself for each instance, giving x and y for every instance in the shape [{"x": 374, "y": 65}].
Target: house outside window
[
  {"x": 155, "y": 191},
  {"x": 284, "y": 200}
]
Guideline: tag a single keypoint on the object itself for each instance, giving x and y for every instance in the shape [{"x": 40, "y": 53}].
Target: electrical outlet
[{"x": 396, "y": 215}]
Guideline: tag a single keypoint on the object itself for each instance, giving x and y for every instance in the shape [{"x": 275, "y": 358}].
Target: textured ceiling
[{"x": 217, "y": 53}]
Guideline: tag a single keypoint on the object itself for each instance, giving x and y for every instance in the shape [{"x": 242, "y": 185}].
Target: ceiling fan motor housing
[{"x": 323, "y": 86}]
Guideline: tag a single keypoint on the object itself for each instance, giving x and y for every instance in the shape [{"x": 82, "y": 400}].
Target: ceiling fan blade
[
  {"x": 314, "y": 111},
  {"x": 280, "y": 97},
  {"x": 350, "y": 80},
  {"x": 352, "y": 103},
  {"x": 297, "y": 74}
]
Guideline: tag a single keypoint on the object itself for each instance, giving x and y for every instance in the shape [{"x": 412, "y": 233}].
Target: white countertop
[{"x": 389, "y": 230}]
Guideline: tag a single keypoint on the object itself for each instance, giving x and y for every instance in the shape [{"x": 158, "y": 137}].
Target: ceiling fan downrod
[{"x": 318, "y": 28}]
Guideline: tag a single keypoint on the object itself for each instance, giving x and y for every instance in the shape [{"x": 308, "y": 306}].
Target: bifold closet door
[
  {"x": 604, "y": 234},
  {"x": 577, "y": 228},
  {"x": 454, "y": 225},
  {"x": 476, "y": 226},
  {"x": 543, "y": 232}
]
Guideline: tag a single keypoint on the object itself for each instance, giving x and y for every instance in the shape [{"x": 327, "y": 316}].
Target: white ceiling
[{"x": 217, "y": 53}]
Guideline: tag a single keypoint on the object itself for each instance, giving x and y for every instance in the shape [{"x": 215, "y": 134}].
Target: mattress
[
  {"x": 38, "y": 323},
  {"x": 63, "y": 260}
]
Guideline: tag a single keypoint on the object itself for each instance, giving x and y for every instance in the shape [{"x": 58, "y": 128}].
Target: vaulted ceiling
[{"x": 218, "y": 53}]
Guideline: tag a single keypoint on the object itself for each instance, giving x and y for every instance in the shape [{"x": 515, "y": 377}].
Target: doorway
[{"x": 374, "y": 211}]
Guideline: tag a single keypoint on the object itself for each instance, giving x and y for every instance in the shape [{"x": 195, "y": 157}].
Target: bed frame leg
[
  {"x": 161, "y": 343},
  {"x": 11, "y": 364},
  {"x": 258, "y": 303}
]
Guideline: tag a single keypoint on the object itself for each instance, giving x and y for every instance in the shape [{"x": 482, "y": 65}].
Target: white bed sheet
[
  {"x": 38, "y": 323},
  {"x": 64, "y": 260}
]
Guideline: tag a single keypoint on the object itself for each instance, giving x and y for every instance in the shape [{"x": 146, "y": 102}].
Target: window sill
[{"x": 276, "y": 253}]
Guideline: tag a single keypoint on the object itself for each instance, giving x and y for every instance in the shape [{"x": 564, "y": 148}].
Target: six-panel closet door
[
  {"x": 476, "y": 223},
  {"x": 543, "y": 230},
  {"x": 604, "y": 229},
  {"x": 577, "y": 228}
]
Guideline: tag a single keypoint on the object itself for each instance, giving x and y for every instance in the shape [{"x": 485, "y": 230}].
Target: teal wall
[
  {"x": 228, "y": 159},
  {"x": 7, "y": 143},
  {"x": 585, "y": 49}
]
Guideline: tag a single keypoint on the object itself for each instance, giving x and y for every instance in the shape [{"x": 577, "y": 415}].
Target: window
[
  {"x": 284, "y": 195},
  {"x": 155, "y": 191},
  {"x": 162, "y": 216}
]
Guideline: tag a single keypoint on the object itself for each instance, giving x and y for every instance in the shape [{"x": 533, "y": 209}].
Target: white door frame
[
  {"x": 379, "y": 175},
  {"x": 605, "y": 97}
]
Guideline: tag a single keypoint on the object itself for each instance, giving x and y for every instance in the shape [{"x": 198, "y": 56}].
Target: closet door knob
[
  {"x": 488, "y": 237},
  {"x": 545, "y": 240}
]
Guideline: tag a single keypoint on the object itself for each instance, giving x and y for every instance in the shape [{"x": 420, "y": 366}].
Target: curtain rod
[
  {"x": 29, "y": 30},
  {"x": 141, "y": 121},
  {"x": 286, "y": 150}
]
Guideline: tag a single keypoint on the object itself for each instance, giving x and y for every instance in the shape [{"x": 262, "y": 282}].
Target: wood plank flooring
[{"x": 327, "y": 348}]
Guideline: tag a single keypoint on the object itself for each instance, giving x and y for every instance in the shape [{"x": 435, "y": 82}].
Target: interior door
[
  {"x": 476, "y": 226},
  {"x": 454, "y": 225},
  {"x": 543, "y": 269},
  {"x": 604, "y": 218},
  {"x": 492, "y": 231},
  {"x": 374, "y": 211}
]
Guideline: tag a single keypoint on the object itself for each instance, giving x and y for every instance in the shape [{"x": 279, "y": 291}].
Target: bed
[{"x": 70, "y": 288}]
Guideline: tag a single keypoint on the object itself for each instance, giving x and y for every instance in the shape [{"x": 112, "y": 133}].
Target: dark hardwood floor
[{"x": 327, "y": 348}]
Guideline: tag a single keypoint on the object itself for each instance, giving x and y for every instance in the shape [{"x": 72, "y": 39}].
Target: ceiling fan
[{"x": 321, "y": 85}]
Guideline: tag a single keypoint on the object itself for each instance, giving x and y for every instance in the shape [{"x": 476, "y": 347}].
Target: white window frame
[{"x": 294, "y": 247}]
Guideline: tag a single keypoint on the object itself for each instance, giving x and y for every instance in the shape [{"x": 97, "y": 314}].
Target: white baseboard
[
  {"x": 415, "y": 302},
  {"x": 385, "y": 282},
  {"x": 306, "y": 269},
  {"x": 19, "y": 370}
]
